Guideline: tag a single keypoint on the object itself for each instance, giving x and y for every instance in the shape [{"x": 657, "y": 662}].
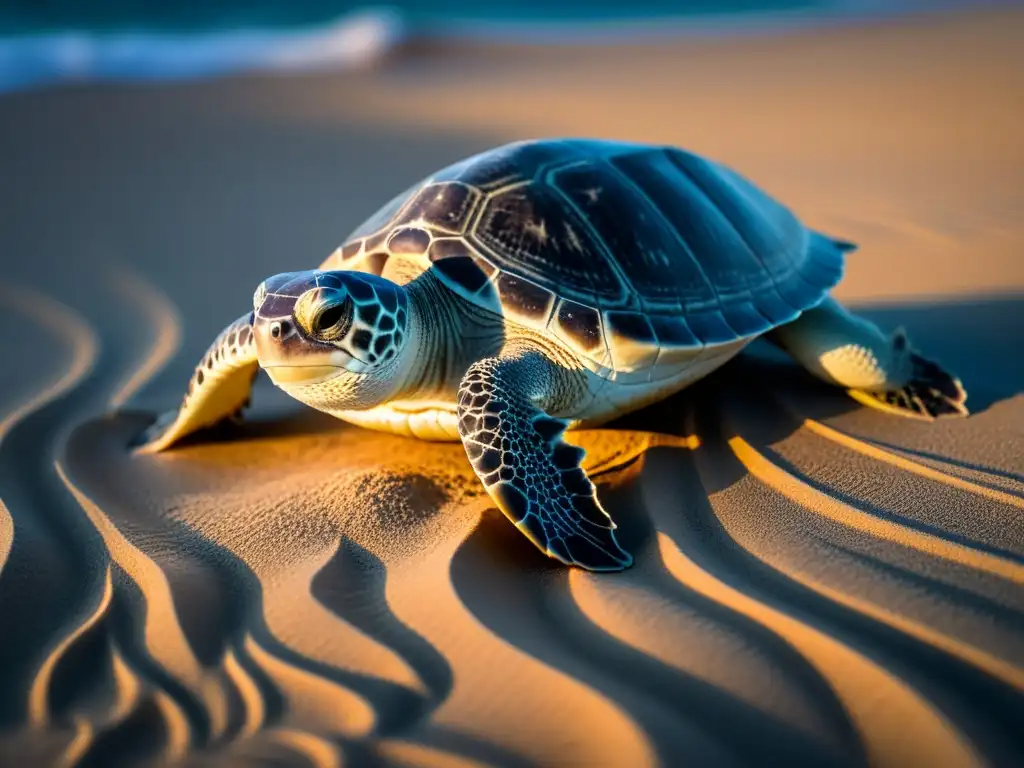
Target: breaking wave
[
  {"x": 82, "y": 54},
  {"x": 77, "y": 56}
]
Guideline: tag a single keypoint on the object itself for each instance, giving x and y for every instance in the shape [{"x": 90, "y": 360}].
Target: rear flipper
[
  {"x": 882, "y": 372},
  {"x": 932, "y": 391},
  {"x": 218, "y": 390}
]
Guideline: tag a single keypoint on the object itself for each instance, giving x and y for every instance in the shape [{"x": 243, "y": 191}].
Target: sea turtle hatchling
[{"x": 543, "y": 286}]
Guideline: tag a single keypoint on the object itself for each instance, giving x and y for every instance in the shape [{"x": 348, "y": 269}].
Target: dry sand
[{"x": 814, "y": 582}]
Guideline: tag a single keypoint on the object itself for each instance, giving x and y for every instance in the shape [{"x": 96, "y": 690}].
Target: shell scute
[
  {"x": 469, "y": 275},
  {"x": 631, "y": 340},
  {"x": 826, "y": 261},
  {"x": 446, "y": 206},
  {"x": 377, "y": 242},
  {"x": 579, "y": 326},
  {"x": 797, "y": 293},
  {"x": 711, "y": 328},
  {"x": 512, "y": 164},
  {"x": 351, "y": 250},
  {"x": 528, "y": 230},
  {"x": 728, "y": 268},
  {"x": 409, "y": 241},
  {"x": 525, "y": 301},
  {"x": 464, "y": 274},
  {"x": 769, "y": 230},
  {"x": 642, "y": 244},
  {"x": 774, "y": 307},
  {"x": 670, "y": 355},
  {"x": 745, "y": 320},
  {"x": 673, "y": 331},
  {"x": 448, "y": 247}
]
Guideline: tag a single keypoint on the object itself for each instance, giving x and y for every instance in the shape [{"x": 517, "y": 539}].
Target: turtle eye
[{"x": 333, "y": 322}]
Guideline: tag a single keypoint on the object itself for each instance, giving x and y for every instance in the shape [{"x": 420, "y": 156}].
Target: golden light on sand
[{"x": 814, "y": 581}]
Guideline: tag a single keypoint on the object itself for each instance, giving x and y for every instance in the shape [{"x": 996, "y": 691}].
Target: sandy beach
[{"x": 815, "y": 582}]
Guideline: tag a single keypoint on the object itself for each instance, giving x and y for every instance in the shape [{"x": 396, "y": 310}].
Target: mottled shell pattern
[{"x": 632, "y": 255}]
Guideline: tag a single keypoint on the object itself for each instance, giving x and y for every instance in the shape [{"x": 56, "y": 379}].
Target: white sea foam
[{"x": 34, "y": 60}]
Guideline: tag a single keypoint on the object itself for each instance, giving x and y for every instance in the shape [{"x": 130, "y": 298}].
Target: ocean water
[
  {"x": 45, "y": 42},
  {"x": 18, "y": 16}
]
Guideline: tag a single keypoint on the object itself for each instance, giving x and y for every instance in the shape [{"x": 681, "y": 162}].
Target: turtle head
[{"x": 332, "y": 340}]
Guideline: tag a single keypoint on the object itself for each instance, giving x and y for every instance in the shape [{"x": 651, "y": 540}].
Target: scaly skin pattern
[{"x": 534, "y": 476}]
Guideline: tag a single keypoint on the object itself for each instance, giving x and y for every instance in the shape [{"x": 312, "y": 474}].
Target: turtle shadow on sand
[
  {"x": 681, "y": 712},
  {"x": 547, "y": 621},
  {"x": 764, "y": 398}
]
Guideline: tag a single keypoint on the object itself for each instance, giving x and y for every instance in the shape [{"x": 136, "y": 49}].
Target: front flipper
[
  {"x": 534, "y": 476},
  {"x": 219, "y": 389}
]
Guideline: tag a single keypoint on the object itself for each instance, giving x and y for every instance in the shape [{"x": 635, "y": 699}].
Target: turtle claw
[{"x": 932, "y": 393}]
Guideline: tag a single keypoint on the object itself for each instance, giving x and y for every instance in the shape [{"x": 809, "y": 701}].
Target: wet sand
[{"x": 815, "y": 583}]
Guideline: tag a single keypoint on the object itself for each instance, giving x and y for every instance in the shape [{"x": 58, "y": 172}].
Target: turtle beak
[
  {"x": 289, "y": 360},
  {"x": 283, "y": 375}
]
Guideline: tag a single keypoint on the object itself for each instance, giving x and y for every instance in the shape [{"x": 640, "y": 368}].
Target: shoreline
[{"x": 365, "y": 37}]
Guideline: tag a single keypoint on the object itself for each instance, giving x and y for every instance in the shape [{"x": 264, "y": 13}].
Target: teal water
[
  {"x": 46, "y": 42},
  {"x": 35, "y": 16}
]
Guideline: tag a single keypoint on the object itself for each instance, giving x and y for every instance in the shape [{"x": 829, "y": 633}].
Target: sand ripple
[{"x": 310, "y": 593}]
